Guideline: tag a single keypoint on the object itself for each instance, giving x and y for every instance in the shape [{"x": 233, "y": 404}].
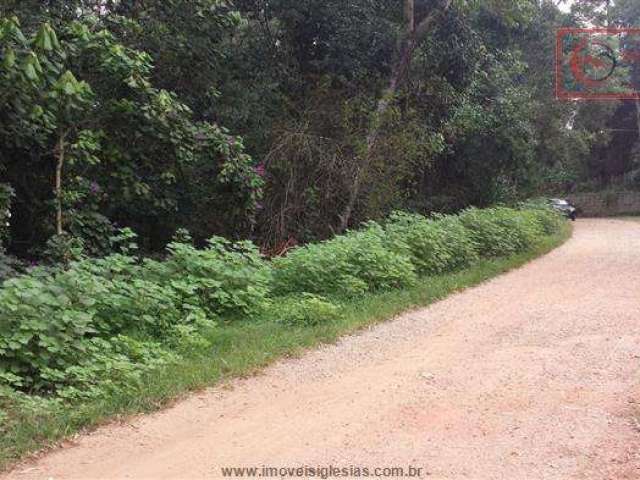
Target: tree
[
  {"x": 35, "y": 76},
  {"x": 83, "y": 101},
  {"x": 414, "y": 32}
]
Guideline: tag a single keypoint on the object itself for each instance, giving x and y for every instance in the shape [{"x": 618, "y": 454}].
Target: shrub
[
  {"x": 549, "y": 219},
  {"x": 502, "y": 231},
  {"x": 47, "y": 319},
  {"x": 492, "y": 237},
  {"x": 56, "y": 326},
  {"x": 63, "y": 249},
  {"x": 103, "y": 323},
  {"x": 92, "y": 229},
  {"x": 108, "y": 365},
  {"x": 522, "y": 227},
  {"x": 463, "y": 250},
  {"x": 134, "y": 304},
  {"x": 51, "y": 319},
  {"x": 434, "y": 246},
  {"x": 190, "y": 339},
  {"x": 305, "y": 310},
  {"x": 346, "y": 265},
  {"x": 225, "y": 279}
]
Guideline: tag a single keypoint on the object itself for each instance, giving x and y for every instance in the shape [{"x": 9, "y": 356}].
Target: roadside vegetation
[
  {"x": 124, "y": 334},
  {"x": 190, "y": 189}
]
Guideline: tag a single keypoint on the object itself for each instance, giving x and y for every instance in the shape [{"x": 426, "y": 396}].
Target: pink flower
[{"x": 260, "y": 170}]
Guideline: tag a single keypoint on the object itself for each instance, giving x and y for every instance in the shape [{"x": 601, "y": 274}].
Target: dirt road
[{"x": 534, "y": 375}]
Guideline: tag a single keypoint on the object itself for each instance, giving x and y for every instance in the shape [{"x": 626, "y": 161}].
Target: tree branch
[{"x": 423, "y": 27}]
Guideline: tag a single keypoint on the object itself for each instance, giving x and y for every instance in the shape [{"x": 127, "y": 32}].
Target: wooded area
[
  {"x": 191, "y": 189},
  {"x": 285, "y": 121}
]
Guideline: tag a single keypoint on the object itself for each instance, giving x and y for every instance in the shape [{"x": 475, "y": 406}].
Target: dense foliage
[
  {"x": 102, "y": 323},
  {"x": 435, "y": 246},
  {"x": 81, "y": 120},
  {"x": 285, "y": 121},
  {"x": 351, "y": 264}
]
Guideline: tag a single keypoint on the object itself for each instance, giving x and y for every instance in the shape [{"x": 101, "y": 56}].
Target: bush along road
[{"x": 121, "y": 334}]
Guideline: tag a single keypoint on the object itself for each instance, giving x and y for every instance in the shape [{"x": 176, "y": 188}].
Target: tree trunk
[
  {"x": 372, "y": 138},
  {"x": 60, "y": 154},
  {"x": 409, "y": 16},
  {"x": 412, "y": 36}
]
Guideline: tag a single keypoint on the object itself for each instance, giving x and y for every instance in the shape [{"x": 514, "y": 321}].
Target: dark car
[{"x": 564, "y": 207}]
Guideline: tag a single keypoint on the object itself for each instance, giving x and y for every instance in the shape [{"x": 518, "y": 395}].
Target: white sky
[{"x": 566, "y": 5}]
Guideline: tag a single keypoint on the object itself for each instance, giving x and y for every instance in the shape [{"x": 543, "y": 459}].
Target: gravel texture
[{"x": 533, "y": 375}]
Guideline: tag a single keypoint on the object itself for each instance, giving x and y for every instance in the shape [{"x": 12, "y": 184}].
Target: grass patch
[{"x": 241, "y": 349}]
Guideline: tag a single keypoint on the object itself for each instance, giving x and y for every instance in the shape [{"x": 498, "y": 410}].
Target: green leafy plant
[
  {"x": 462, "y": 248},
  {"x": 109, "y": 365},
  {"x": 51, "y": 319},
  {"x": 225, "y": 279},
  {"x": 522, "y": 227},
  {"x": 493, "y": 238},
  {"x": 435, "y": 246},
  {"x": 550, "y": 220},
  {"x": 346, "y": 265}
]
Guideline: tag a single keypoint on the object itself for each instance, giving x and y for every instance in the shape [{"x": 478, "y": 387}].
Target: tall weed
[
  {"x": 347, "y": 265},
  {"x": 435, "y": 246}
]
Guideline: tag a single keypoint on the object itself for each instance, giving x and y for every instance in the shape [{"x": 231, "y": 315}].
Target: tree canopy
[{"x": 287, "y": 120}]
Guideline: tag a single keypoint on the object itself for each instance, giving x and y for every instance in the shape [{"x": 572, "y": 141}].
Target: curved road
[{"x": 534, "y": 375}]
